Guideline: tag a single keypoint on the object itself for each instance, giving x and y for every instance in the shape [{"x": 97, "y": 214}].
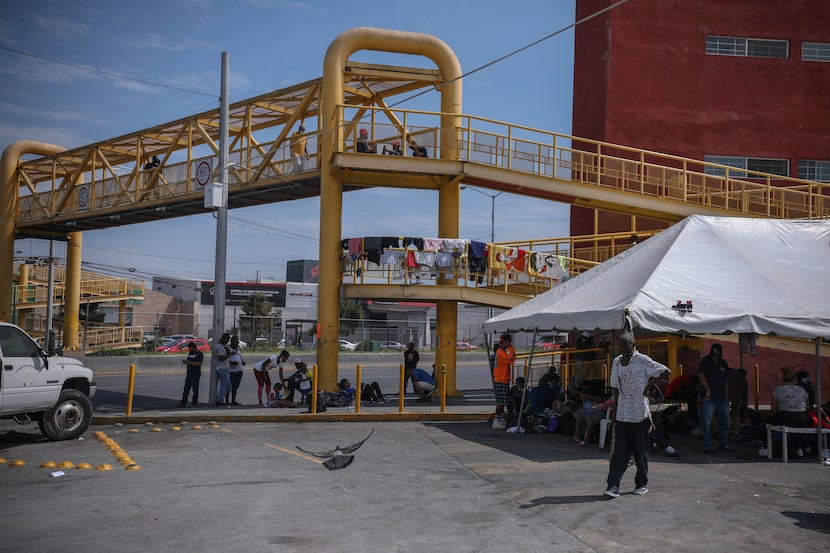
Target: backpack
[
  {"x": 812, "y": 414},
  {"x": 567, "y": 423},
  {"x": 321, "y": 403}
]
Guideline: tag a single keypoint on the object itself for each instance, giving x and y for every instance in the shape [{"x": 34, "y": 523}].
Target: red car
[
  {"x": 550, "y": 343},
  {"x": 464, "y": 346},
  {"x": 181, "y": 346}
]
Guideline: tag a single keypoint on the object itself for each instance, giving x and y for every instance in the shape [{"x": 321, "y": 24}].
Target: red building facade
[{"x": 744, "y": 83}]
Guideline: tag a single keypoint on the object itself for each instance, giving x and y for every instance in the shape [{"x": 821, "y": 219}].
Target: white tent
[{"x": 760, "y": 276}]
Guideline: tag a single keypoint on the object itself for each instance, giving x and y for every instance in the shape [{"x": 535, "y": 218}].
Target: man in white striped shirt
[{"x": 631, "y": 373}]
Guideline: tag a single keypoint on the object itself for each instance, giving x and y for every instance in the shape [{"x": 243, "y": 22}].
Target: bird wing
[
  {"x": 338, "y": 462},
  {"x": 353, "y": 447},
  {"x": 320, "y": 454}
]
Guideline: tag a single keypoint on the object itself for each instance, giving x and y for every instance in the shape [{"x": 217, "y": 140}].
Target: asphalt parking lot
[{"x": 414, "y": 486}]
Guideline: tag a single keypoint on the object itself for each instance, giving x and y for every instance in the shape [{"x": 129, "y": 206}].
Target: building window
[
  {"x": 815, "y": 51},
  {"x": 810, "y": 169},
  {"x": 762, "y": 165},
  {"x": 749, "y": 47}
]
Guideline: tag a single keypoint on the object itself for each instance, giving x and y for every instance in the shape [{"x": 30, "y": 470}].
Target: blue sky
[{"x": 271, "y": 44}]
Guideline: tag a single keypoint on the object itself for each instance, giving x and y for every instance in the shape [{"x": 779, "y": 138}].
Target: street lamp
[
  {"x": 492, "y": 211},
  {"x": 492, "y": 228}
]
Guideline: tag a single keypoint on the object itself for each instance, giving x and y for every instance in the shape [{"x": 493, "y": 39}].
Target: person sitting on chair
[{"x": 592, "y": 411}]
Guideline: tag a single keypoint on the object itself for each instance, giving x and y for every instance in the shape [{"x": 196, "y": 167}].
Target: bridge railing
[
  {"x": 633, "y": 170},
  {"x": 73, "y": 189}
]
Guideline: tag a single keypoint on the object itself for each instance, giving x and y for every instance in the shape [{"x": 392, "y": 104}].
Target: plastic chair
[{"x": 603, "y": 427}]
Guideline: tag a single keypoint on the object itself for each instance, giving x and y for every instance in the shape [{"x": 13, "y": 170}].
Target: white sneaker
[
  {"x": 498, "y": 422},
  {"x": 640, "y": 490},
  {"x": 763, "y": 452}
]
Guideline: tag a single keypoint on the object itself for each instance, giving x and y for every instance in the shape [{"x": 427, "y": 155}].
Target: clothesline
[{"x": 441, "y": 253}]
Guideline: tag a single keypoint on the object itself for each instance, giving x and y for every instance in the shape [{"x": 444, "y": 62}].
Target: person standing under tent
[
  {"x": 713, "y": 373},
  {"x": 505, "y": 357}
]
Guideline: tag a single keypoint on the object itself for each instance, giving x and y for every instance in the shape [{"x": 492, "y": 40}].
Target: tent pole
[
  {"x": 818, "y": 399},
  {"x": 527, "y": 384}
]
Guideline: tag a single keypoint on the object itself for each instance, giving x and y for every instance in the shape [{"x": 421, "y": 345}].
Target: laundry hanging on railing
[{"x": 546, "y": 265}]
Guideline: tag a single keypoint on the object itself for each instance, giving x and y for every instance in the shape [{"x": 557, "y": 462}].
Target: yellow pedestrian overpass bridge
[{"x": 50, "y": 192}]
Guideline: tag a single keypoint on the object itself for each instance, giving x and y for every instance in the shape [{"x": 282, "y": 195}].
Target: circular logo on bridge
[
  {"x": 203, "y": 173},
  {"x": 83, "y": 197}
]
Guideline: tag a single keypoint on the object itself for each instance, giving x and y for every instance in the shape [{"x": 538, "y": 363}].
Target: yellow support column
[
  {"x": 23, "y": 285},
  {"x": 72, "y": 294},
  {"x": 331, "y": 183},
  {"x": 122, "y": 321},
  {"x": 8, "y": 212}
]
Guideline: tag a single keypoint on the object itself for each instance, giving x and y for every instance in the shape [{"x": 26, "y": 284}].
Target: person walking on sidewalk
[
  {"x": 194, "y": 361},
  {"x": 631, "y": 372},
  {"x": 505, "y": 357}
]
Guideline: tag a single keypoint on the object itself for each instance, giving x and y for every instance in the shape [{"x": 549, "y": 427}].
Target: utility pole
[{"x": 221, "y": 256}]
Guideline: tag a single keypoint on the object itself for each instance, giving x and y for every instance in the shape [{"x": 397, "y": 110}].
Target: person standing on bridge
[
  {"x": 363, "y": 145},
  {"x": 193, "y": 361},
  {"x": 299, "y": 150}
]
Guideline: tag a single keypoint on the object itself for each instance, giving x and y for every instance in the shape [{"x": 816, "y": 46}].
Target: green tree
[
  {"x": 95, "y": 314},
  {"x": 351, "y": 314},
  {"x": 255, "y": 320}
]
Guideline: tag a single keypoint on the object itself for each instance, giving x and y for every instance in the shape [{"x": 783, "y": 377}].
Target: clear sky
[{"x": 271, "y": 44}]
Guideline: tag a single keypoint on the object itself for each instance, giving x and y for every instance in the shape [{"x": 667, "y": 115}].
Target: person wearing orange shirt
[{"x": 505, "y": 357}]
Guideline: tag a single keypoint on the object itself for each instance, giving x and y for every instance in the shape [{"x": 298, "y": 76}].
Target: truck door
[{"x": 25, "y": 381}]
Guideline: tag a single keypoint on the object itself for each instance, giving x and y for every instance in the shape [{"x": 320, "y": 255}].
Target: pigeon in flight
[{"x": 338, "y": 458}]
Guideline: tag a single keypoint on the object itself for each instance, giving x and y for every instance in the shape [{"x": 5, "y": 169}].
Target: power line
[
  {"x": 107, "y": 73},
  {"x": 514, "y": 52}
]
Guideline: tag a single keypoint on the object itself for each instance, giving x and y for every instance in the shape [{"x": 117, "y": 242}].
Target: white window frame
[
  {"x": 814, "y": 169},
  {"x": 717, "y": 45},
  {"x": 738, "y": 162},
  {"x": 815, "y": 51}
]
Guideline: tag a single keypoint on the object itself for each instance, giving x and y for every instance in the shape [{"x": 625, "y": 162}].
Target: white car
[
  {"x": 345, "y": 345},
  {"x": 391, "y": 344}
]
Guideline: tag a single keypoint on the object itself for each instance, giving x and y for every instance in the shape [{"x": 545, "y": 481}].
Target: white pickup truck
[{"x": 55, "y": 391}]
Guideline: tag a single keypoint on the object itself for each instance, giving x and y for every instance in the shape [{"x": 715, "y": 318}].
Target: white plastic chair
[{"x": 603, "y": 427}]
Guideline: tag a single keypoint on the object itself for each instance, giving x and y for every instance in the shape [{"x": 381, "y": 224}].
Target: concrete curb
[{"x": 299, "y": 417}]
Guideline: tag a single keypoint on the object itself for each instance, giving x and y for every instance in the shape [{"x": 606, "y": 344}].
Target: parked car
[
  {"x": 345, "y": 345},
  {"x": 55, "y": 391},
  {"x": 551, "y": 342},
  {"x": 181, "y": 346},
  {"x": 464, "y": 346},
  {"x": 391, "y": 344},
  {"x": 181, "y": 337}
]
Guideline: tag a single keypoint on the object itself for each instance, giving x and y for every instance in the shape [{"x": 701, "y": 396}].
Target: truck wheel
[{"x": 68, "y": 418}]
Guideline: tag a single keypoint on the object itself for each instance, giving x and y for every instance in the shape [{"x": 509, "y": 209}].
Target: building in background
[{"x": 741, "y": 83}]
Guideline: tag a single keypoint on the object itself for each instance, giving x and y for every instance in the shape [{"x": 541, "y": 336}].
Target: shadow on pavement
[{"x": 820, "y": 522}]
